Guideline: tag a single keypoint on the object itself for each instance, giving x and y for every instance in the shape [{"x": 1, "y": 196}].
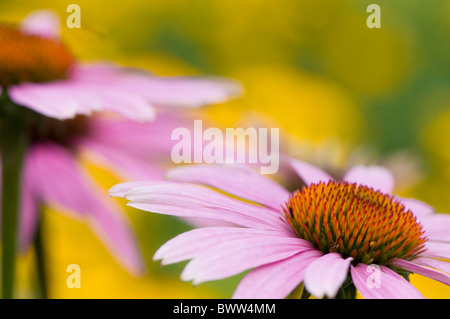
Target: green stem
[
  {"x": 347, "y": 291},
  {"x": 40, "y": 261},
  {"x": 13, "y": 141},
  {"x": 305, "y": 294},
  {"x": 299, "y": 293}
]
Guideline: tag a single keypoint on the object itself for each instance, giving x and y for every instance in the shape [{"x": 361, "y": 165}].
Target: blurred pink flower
[
  {"x": 41, "y": 74},
  {"x": 323, "y": 235},
  {"x": 64, "y": 96}
]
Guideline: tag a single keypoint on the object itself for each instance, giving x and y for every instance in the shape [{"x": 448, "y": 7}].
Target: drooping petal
[
  {"x": 240, "y": 181},
  {"x": 188, "y": 245},
  {"x": 235, "y": 256},
  {"x": 424, "y": 271},
  {"x": 377, "y": 177},
  {"x": 276, "y": 280},
  {"x": 308, "y": 172},
  {"x": 28, "y": 218},
  {"x": 186, "y": 200},
  {"x": 127, "y": 166},
  {"x": 325, "y": 276},
  {"x": 114, "y": 230},
  {"x": 379, "y": 282},
  {"x": 144, "y": 140},
  {"x": 54, "y": 177},
  {"x": 44, "y": 23},
  {"x": 58, "y": 180}
]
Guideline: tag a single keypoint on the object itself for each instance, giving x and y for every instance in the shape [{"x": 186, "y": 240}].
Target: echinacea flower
[
  {"x": 40, "y": 73},
  {"x": 334, "y": 237},
  {"x": 70, "y": 108}
]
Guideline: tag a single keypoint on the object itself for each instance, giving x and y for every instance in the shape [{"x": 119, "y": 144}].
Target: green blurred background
[{"x": 341, "y": 94}]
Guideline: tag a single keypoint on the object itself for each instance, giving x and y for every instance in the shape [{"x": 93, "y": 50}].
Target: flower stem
[
  {"x": 13, "y": 141},
  {"x": 348, "y": 290},
  {"x": 40, "y": 261},
  {"x": 299, "y": 293}
]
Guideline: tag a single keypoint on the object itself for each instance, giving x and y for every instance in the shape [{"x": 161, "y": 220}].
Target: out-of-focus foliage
[{"x": 312, "y": 68}]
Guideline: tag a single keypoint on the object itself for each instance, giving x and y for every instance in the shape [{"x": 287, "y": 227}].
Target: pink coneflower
[
  {"x": 334, "y": 237},
  {"x": 52, "y": 174},
  {"x": 40, "y": 73},
  {"x": 47, "y": 107}
]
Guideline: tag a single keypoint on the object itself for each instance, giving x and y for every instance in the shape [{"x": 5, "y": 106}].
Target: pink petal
[
  {"x": 139, "y": 139},
  {"x": 187, "y": 200},
  {"x": 58, "y": 180},
  {"x": 54, "y": 175},
  {"x": 111, "y": 226},
  {"x": 192, "y": 91},
  {"x": 44, "y": 23},
  {"x": 308, "y": 172},
  {"x": 107, "y": 87},
  {"x": 205, "y": 222},
  {"x": 172, "y": 91},
  {"x": 424, "y": 271},
  {"x": 45, "y": 99},
  {"x": 238, "y": 219},
  {"x": 418, "y": 207},
  {"x": 122, "y": 163},
  {"x": 276, "y": 280},
  {"x": 121, "y": 101},
  {"x": 377, "y": 177},
  {"x": 188, "y": 245},
  {"x": 29, "y": 218},
  {"x": 96, "y": 71},
  {"x": 325, "y": 276},
  {"x": 240, "y": 181},
  {"x": 438, "y": 264},
  {"x": 437, "y": 250},
  {"x": 436, "y": 226},
  {"x": 66, "y": 98},
  {"x": 233, "y": 257},
  {"x": 121, "y": 189},
  {"x": 382, "y": 283}
]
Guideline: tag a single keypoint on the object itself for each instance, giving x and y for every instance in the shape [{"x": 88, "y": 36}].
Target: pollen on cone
[
  {"x": 356, "y": 221},
  {"x": 30, "y": 58}
]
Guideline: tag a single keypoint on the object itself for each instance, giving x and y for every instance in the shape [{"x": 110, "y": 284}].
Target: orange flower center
[
  {"x": 355, "y": 221},
  {"x": 30, "y": 58}
]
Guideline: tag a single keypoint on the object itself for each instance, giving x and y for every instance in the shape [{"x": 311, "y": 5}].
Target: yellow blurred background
[{"x": 340, "y": 93}]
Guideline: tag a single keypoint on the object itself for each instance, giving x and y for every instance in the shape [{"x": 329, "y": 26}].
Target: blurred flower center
[
  {"x": 355, "y": 221},
  {"x": 63, "y": 132},
  {"x": 30, "y": 58}
]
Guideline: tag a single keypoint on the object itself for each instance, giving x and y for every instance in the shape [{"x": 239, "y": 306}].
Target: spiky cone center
[
  {"x": 355, "y": 221},
  {"x": 31, "y": 58}
]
